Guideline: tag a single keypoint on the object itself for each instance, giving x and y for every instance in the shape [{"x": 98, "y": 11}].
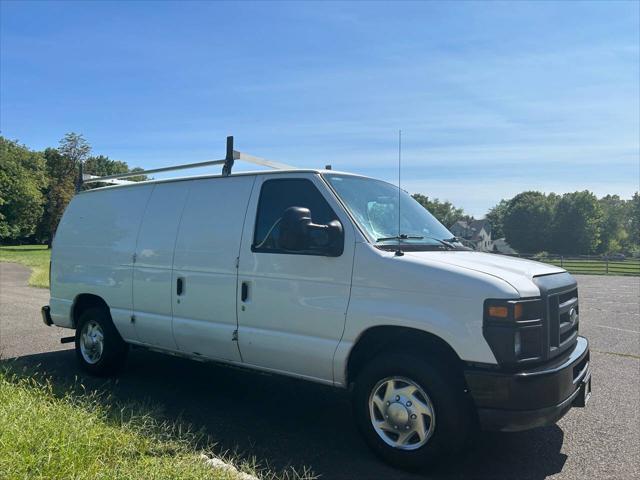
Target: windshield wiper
[
  {"x": 447, "y": 243},
  {"x": 402, "y": 236}
]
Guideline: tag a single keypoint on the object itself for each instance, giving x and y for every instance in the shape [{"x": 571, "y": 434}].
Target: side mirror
[
  {"x": 294, "y": 228},
  {"x": 299, "y": 234},
  {"x": 335, "y": 245}
]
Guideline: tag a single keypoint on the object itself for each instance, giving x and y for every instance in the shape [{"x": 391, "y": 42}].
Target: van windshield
[{"x": 374, "y": 205}]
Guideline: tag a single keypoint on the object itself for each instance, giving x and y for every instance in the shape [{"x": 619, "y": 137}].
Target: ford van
[{"x": 332, "y": 278}]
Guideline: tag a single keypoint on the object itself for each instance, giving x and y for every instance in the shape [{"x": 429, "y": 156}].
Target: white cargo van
[{"x": 305, "y": 273}]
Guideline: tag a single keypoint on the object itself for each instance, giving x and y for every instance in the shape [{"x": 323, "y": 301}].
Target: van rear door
[
  {"x": 204, "y": 269},
  {"x": 93, "y": 253}
]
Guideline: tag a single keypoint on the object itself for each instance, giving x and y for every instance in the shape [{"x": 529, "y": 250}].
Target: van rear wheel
[
  {"x": 100, "y": 349},
  {"x": 410, "y": 410}
]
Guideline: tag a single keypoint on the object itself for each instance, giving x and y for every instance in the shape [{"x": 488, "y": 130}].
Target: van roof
[
  {"x": 219, "y": 175},
  {"x": 227, "y": 163}
]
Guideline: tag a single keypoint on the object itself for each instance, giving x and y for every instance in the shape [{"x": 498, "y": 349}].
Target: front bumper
[{"x": 533, "y": 398}]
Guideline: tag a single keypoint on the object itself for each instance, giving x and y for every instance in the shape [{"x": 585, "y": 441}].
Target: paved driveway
[{"x": 284, "y": 422}]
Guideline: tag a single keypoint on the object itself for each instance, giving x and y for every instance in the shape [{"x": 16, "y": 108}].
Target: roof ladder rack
[{"x": 227, "y": 164}]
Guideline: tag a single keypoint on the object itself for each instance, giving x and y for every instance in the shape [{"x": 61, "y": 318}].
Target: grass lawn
[
  {"x": 34, "y": 256},
  {"x": 53, "y": 432}
]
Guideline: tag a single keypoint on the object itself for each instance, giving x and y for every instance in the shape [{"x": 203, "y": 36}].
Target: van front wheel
[
  {"x": 99, "y": 347},
  {"x": 410, "y": 410}
]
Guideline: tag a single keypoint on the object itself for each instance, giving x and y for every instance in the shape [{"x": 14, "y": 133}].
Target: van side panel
[
  {"x": 208, "y": 243},
  {"x": 93, "y": 253},
  {"x": 152, "y": 278}
]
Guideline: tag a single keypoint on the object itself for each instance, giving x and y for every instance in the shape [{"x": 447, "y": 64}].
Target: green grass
[
  {"x": 34, "y": 256},
  {"x": 53, "y": 432}
]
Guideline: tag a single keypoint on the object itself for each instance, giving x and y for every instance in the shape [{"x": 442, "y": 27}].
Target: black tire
[
  {"x": 114, "y": 351},
  {"x": 453, "y": 425}
]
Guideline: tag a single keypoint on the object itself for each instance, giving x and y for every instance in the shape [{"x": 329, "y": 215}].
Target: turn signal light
[
  {"x": 498, "y": 311},
  {"x": 515, "y": 310}
]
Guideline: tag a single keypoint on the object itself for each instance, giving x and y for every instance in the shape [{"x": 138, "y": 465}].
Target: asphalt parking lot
[{"x": 284, "y": 422}]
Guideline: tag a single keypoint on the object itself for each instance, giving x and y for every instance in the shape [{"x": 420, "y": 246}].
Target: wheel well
[
  {"x": 399, "y": 339},
  {"x": 83, "y": 302}
]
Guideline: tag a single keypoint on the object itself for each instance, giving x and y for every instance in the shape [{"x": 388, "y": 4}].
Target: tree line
[
  {"x": 36, "y": 187},
  {"x": 572, "y": 223}
]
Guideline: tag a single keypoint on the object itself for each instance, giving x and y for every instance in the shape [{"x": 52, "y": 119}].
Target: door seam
[
  {"x": 244, "y": 225},
  {"x": 134, "y": 258},
  {"x": 346, "y": 312},
  {"x": 173, "y": 260}
]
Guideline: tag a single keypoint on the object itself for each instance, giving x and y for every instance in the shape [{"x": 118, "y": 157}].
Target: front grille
[
  {"x": 561, "y": 315},
  {"x": 563, "y": 320}
]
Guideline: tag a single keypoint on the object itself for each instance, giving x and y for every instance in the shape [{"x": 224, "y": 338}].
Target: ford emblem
[{"x": 573, "y": 315}]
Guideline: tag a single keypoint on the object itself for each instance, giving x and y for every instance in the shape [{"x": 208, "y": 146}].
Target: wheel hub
[
  {"x": 401, "y": 412},
  {"x": 91, "y": 342},
  {"x": 398, "y": 414}
]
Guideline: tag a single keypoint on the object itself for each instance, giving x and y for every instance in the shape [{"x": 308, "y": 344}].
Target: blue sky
[{"x": 492, "y": 98}]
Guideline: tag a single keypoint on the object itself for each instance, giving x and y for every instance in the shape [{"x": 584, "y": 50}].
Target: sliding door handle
[
  {"x": 179, "y": 286},
  {"x": 244, "y": 291}
]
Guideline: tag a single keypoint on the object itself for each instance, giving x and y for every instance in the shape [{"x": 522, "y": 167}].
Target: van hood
[{"x": 517, "y": 272}]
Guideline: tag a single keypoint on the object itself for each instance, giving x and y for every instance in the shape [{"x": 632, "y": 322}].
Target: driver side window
[{"x": 278, "y": 195}]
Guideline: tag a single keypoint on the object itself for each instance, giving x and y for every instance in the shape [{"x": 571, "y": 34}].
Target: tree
[
  {"x": 633, "y": 220},
  {"x": 496, "y": 218},
  {"x": 102, "y": 165},
  {"x": 62, "y": 169},
  {"x": 613, "y": 228},
  {"x": 527, "y": 222},
  {"x": 60, "y": 189},
  {"x": 445, "y": 212},
  {"x": 22, "y": 178},
  {"x": 74, "y": 148},
  {"x": 577, "y": 224}
]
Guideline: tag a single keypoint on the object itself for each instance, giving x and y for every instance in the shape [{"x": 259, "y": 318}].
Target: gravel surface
[{"x": 283, "y": 422}]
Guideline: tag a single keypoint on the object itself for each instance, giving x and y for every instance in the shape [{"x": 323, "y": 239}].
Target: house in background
[{"x": 476, "y": 232}]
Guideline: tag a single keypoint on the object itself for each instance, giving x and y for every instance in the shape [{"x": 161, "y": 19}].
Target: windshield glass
[{"x": 374, "y": 205}]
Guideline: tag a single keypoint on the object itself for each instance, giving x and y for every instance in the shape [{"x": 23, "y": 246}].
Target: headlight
[{"x": 513, "y": 330}]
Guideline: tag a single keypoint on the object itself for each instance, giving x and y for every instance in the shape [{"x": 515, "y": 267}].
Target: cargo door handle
[
  {"x": 180, "y": 286},
  {"x": 244, "y": 291}
]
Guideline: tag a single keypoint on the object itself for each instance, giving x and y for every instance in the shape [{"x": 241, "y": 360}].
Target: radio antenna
[{"x": 399, "y": 252}]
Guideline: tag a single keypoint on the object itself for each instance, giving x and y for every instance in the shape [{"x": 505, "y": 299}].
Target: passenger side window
[{"x": 275, "y": 197}]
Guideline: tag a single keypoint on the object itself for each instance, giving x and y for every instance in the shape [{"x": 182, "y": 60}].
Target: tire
[
  {"x": 446, "y": 431},
  {"x": 97, "y": 357}
]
